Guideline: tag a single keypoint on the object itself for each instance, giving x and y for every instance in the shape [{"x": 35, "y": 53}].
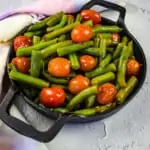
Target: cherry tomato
[
  {"x": 59, "y": 67},
  {"x": 22, "y": 64},
  {"x": 89, "y": 14},
  {"x": 52, "y": 97},
  {"x": 106, "y": 93},
  {"x": 133, "y": 67},
  {"x": 21, "y": 41},
  {"x": 87, "y": 63},
  {"x": 81, "y": 33},
  {"x": 115, "y": 37},
  {"x": 71, "y": 17},
  {"x": 78, "y": 83}
]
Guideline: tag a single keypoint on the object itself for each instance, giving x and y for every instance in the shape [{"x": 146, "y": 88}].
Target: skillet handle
[
  {"x": 26, "y": 129},
  {"x": 108, "y": 5}
]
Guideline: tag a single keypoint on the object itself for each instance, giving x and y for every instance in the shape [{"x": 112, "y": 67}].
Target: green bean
[
  {"x": 36, "y": 59},
  {"x": 69, "y": 96},
  {"x": 61, "y": 110},
  {"x": 71, "y": 75},
  {"x": 103, "y": 78},
  {"x": 104, "y": 35},
  {"x": 60, "y": 25},
  {"x": 124, "y": 40},
  {"x": 96, "y": 42},
  {"x": 121, "y": 75},
  {"x": 23, "y": 78},
  {"x": 110, "y": 42},
  {"x": 36, "y": 40},
  {"x": 78, "y": 18},
  {"x": 36, "y": 100},
  {"x": 62, "y": 51},
  {"x": 74, "y": 61},
  {"x": 102, "y": 50},
  {"x": 117, "y": 86},
  {"x": 35, "y": 33},
  {"x": 36, "y": 26},
  {"x": 11, "y": 66},
  {"x": 107, "y": 29},
  {"x": 26, "y": 51},
  {"x": 52, "y": 49},
  {"x": 106, "y": 60},
  {"x": 60, "y": 31},
  {"x": 118, "y": 50},
  {"x": 110, "y": 49},
  {"x": 88, "y": 23},
  {"x": 98, "y": 71},
  {"x": 70, "y": 21},
  {"x": 85, "y": 112},
  {"x": 102, "y": 109},
  {"x": 55, "y": 19},
  {"x": 90, "y": 101},
  {"x": 60, "y": 85},
  {"x": 80, "y": 97},
  {"x": 91, "y": 51},
  {"x": 62, "y": 38},
  {"x": 116, "y": 61},
  {"x": 125, "y": 92},
  {"x": 130, "y": 49},
  {"x": 52, "y": 79}
]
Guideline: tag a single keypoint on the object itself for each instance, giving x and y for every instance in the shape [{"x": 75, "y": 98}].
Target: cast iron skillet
[{"x": 61, "y": 119}]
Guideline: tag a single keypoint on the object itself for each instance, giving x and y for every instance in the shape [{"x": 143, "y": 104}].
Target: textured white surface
[{"x": 129, "y": 128}]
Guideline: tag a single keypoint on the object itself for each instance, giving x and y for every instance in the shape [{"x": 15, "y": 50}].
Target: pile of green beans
[{"x": 51, "y": 37}]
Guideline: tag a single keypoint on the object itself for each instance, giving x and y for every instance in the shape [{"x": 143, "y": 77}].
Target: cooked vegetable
[
  {"x": 89, "y": 14},
  {"x": 81, "y": 33},
  {"x": 88, "y": 23},
  {"x": 103, "y": 78},
  {"x": 21, "y": 41},
  {"x": 36, "y": 40},
  {"x": 78, "y": 18},
  {"x": 59, "y": 67},
  {"x": 36, "y": 60},
  {"x": 60, "y": 31},
  {"x": 106, "y": 60},
  {"x": 52, "y": 97},
  {"x": 133, "y": 67},
  {"x": 91, "y": 51},
  {"x": 61, "y": 110},
  {"x": 106, "y": 93},
  {"x": 125, "y": 92},
  {"x": 80, "y": 97},
  {"x": 96, "y": 42},
  {"x": 78, "y": 83},
  {"x": 73, "y": 48},
  {"x": 74, "y": 61},
  {"x": 22, "y": 64},
  {"x": 102, "y": 50},
  {"x": 90, "y": 101},
  {"x": 115, "y": 37},
  {"x": 87, "y": 63},
  {"x": 27, "y": 79},
  {"x": 99, "y": 71},
  {"x": 26, "y": 51},
  {"x": 35, "y": 33},
  {"x": 52, "y": 49}
]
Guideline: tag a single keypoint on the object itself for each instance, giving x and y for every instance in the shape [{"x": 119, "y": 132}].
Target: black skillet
[{"x": 61, "y": 119}]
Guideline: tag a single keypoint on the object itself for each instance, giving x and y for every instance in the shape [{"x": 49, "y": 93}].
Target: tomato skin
[
  {"x": 78, "y": 83},
  {"x": 81, "y": 33},
  {"x": 89, "y": 14},
  {"x": 115, "y": 37},
  {"x": 59, "y": 67},
  {"x": 22, "y": 64},
  {"x": 52, "y": 97},
  {"x": 87, "y": 63},
  {"x": 21, "y": 41},
  {"x": 106, "y": 93},
  {"x": 133, "y": 67}
]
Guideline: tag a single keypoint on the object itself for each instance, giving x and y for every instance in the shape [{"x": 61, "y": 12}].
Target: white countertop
[{"x": 129, "y": 129}]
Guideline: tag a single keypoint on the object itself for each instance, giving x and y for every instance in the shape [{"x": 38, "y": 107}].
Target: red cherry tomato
[
  {"x": 115, "y": 37},
  {"x": 81, "y": 33},
  {"x": 59, "y": 67},
  {"x": 78, "y": 83},
  {"x": 87, "y": 63},
  {"x": 22, "y": 64},
  {"x": 52, "y": 97},
  {"x": 89, "y": 14},
  {"x": 21, "y": 41},
  {"x": 106, "y": 93},
  {"x": 133, "y": 67}
]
